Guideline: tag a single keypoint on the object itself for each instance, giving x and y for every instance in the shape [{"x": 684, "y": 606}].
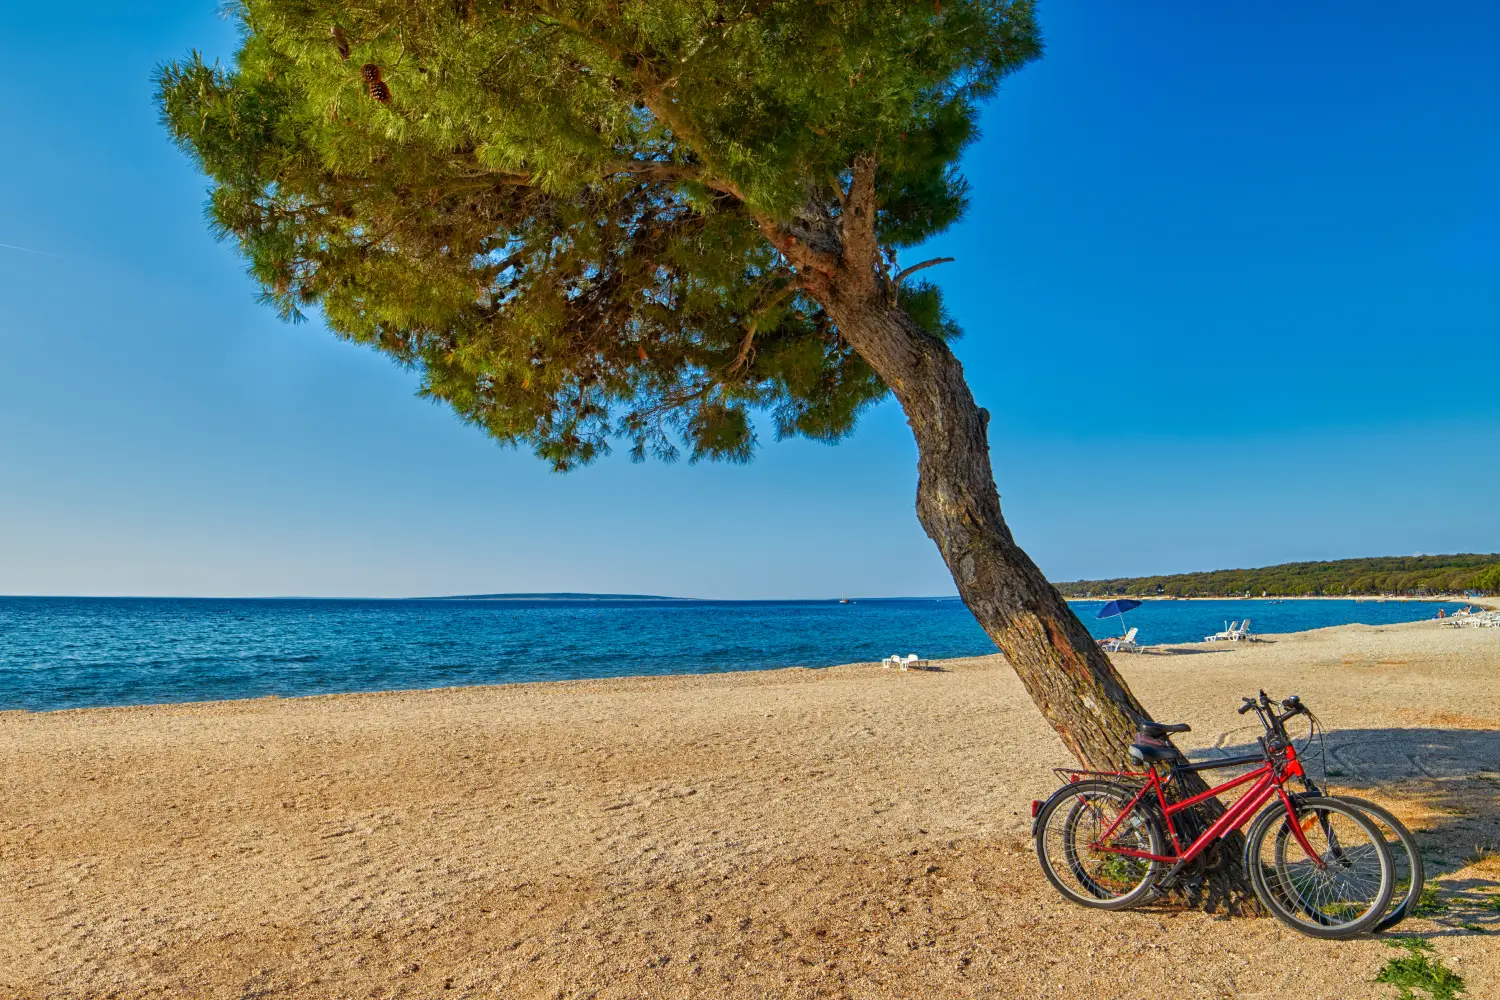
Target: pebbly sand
[{"x": 848, "y": 832}]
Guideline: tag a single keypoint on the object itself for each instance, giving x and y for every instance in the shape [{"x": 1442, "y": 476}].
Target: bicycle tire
[
  {"x": 1278, "y": 885},
  {"x": 1403, "y": 898},
  {"x": 1093, "y": 888}
]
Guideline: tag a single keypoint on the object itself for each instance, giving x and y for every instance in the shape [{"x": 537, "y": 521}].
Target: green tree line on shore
[{"x": 1405, "y": 575}]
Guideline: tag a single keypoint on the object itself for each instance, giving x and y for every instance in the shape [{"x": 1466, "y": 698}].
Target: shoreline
[
  {"x": 1356, "y": 598},
  {"x": 1490, "y": 603},
  {"x": 1153, "y": 649}
]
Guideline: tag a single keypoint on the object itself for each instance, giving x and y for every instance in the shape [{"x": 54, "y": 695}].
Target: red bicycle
[{"x": 1113, "y": 839}]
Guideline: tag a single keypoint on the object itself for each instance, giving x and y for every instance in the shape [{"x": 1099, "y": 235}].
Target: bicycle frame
[{"x": 1265, "y": 782}]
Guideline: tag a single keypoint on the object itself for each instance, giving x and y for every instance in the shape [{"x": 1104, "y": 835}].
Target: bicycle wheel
[
  {"x": 1072, "y": 822},
  {"x": 1340, "y": 891},
  {"x": 1406, "y": 859}
]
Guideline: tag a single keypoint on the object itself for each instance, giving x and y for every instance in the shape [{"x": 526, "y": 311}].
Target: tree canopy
[
  {"x": 560, "y": 212},
  {"x": 663, "y": 221}
]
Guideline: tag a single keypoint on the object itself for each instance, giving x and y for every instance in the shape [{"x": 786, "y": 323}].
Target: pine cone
[
  {"x": 380, "y": 92},
  {"x": 340, "y": 42},
  {"x": 370, "y": 72}
]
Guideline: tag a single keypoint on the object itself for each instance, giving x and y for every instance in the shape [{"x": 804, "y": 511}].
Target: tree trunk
[
  {"x": 839, "y": 262},
  {"x": 1071, "y": 680},
  {"x": 1066, "y": 674}
]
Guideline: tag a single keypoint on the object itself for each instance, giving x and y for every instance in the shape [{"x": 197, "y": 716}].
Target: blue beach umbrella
[{"x": 1119, "y": 607}]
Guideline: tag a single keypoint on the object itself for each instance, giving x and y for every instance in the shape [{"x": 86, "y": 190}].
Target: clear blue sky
[{"x": 1231, "y": 286}]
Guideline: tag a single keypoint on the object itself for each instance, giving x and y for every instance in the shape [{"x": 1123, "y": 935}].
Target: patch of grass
[
  {"x": 1410, "y": 941},
  {"x": 1118, "y": 871},
  {"x": 1428, "y": 904},
  {"x": 1493, "y": 903},
  {"x": 1420, "y": 970},
  {"x": 1481, "y": 852},
  {"x": 1473, "y": 927}
]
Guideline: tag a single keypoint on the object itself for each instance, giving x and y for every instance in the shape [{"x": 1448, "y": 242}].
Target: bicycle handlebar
[{"x": 1265, "y": 707}]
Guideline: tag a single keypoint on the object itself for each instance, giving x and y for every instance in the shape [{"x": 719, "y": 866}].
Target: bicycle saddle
[
  {"x": 1148, "y": 749},
  {"x": 1157, "y": 730}
]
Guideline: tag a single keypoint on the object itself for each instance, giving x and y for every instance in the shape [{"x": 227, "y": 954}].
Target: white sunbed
[
  {"x": 1231, "y": 630},
  {"x": 1124, "y": 644}
]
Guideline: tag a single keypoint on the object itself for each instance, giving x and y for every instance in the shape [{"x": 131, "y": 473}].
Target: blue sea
[{"x": 65, "y": 652}]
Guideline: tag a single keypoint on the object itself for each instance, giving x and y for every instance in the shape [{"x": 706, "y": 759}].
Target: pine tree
[{"x": 586, "y": 221}]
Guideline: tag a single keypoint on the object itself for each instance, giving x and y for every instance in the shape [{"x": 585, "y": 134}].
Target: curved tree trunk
[{"x": 1071, "y": 680}]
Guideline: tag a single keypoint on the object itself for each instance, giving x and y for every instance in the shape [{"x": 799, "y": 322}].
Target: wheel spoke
[
  {"x": 1344, "y": 891},
  {"x": 1080, "y": 861}
]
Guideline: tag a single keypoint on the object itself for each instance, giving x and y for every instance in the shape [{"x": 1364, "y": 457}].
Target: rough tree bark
[{"x": 1071, "y": 680}]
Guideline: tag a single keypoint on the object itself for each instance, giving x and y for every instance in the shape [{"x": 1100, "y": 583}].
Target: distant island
[
  {"x": 1406, "y": 576},
  {"x": 551, "y": 597}
]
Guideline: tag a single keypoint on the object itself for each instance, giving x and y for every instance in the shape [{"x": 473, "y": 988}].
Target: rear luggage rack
[{"x": 1071, "y": 774}]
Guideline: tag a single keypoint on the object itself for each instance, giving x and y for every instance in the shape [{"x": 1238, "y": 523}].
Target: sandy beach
[{"x": 845, "y": 832}]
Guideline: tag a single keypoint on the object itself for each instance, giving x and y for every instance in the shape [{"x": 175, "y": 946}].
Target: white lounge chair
[
  {"x": 1124, "y": 644},
  {"x": 1230, "y": 630},
  {"x": 1243, "y": 632}
]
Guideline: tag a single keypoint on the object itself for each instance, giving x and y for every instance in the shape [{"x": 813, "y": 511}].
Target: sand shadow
[
  {"x": 1444, "y": 783},
  {"x": 1371, "y": 758},
  {"x": 1463, "y": 906}
]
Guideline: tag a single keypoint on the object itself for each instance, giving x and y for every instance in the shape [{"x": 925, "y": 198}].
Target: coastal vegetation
[
  {"x": 1419, "y": 969},
  {"x": 585, "y": 221},
  {"x": 1407, "y": 576}
]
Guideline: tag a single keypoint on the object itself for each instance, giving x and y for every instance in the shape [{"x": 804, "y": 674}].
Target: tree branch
[
  {"x": 934, "y": 262},
  {"x": 799, "y": 252},
  {"x": 838, "y": 189},
  {"x": 672, "y": 401},
  {"x": 652, "y": 93},
  {"x": 656, "y": 170},
  {"x": 742, "y": 359},
  {"x": 861, "y": 250},
  {"x": 652, "y": 87}
]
